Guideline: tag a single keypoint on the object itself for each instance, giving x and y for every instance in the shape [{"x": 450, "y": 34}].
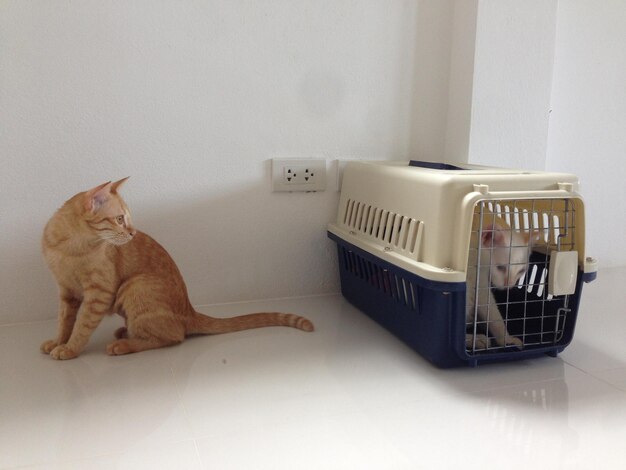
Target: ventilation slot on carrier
[
  {"x": 381, "y": 279},
  {"x": 397, "y": 231}
]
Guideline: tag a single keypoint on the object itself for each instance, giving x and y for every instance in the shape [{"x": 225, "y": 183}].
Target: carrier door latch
[{"x": 562, "y": 273}]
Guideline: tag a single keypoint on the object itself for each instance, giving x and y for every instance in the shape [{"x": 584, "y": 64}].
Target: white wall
[
  {"x": 549, "y": 94},
  {"x": 588, "y": 121},
  {"x": 191, "y": 98},
  {"x": 513, "y": 62},
  {"x": 461, "y": 82}
]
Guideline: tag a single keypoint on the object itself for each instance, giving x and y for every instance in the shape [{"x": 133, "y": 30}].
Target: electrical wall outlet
[{"x": 299, "y": 174}]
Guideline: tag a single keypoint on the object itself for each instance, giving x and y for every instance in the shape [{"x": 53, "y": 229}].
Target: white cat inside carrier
[{"x": 465, "y": 263}]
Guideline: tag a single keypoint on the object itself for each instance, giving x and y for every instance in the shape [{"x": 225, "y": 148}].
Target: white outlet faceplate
[{"x": 299, "y": 174}]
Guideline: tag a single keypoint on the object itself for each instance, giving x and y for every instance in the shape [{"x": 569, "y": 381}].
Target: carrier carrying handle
[{"x": 434, "y": 165}]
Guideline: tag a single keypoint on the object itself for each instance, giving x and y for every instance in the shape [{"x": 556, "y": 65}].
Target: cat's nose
[{"x": 132, "y": 232}]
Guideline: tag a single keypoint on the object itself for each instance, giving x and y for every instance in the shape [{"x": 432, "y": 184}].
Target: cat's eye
[{"x": 120, "y": 219}]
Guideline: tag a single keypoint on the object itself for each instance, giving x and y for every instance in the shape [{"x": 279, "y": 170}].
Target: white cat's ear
[
  {"x": 117, "y": 184},
  {"x": 94, "y": 198},
  {"x": 492, "y": 236},
  {"x": 532, "y": 237}
]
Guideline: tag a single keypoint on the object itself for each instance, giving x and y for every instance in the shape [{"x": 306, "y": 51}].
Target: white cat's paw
[
  {"x": 479, "y": 343},
  {"x": 510, "y": 341},
  {"x": 514, "y": 341}
]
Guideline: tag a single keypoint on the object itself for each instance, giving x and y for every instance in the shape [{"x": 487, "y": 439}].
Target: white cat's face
[{"x": 507, "y": 253}]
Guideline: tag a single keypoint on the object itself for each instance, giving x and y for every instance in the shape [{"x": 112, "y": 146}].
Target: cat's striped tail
[{"x": 200, "y": 324}]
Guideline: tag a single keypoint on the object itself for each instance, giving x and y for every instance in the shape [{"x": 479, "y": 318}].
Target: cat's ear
[
  {"x": 492, "y": 236},
  {"x": 532, "y": 237},
  {"x": 94, "y": 198},
  {"x": 117, "y": 184}
]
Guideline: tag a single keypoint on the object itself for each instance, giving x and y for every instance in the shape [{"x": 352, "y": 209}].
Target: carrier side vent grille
[
  {"x": 397, "y": 287},
  {"x": 389, "y": 228}
]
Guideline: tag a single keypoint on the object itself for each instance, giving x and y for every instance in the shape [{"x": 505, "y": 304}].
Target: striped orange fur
[{"x": 104, "y": 266}]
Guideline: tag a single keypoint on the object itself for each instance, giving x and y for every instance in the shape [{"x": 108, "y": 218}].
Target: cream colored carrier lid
[{"x": 421, "y": 219}]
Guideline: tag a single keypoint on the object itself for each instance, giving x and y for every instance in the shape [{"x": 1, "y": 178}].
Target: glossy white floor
[{"x": 347, "y": 396}]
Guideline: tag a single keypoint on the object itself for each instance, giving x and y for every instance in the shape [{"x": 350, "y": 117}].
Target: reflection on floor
[{"x": 347, "y": 396}]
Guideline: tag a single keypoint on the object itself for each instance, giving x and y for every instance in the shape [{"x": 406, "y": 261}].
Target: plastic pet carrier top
[{"x": 466, "y": 264}]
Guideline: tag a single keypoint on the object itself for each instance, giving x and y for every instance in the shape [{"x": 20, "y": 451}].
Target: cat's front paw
[
  {"x": 514, "y": 341},
  {"x": 63, "y": 352},
  {"x": 119, "y": 347},
  {"x": 477, "y": 343},
  {"x": 510, "y": 341},
  {"x": 48, "y": 346}
]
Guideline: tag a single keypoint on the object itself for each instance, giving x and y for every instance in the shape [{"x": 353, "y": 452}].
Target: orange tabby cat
[{"x": 104, "y": 266}]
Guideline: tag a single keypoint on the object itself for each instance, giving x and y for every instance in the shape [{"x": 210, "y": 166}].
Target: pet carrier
[{"x": 466, "y": 264}]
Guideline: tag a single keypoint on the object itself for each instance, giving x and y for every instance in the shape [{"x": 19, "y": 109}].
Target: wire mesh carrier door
[{"x": 511, "y": 303}]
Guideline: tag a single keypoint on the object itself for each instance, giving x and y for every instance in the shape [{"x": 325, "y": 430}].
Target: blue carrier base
[{"x": 429, "y": 316}]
